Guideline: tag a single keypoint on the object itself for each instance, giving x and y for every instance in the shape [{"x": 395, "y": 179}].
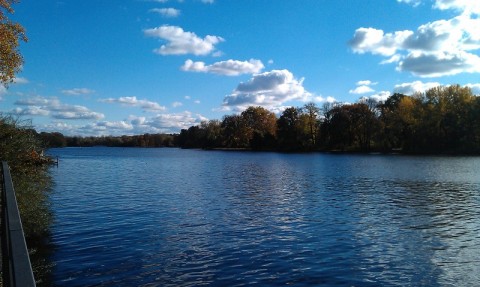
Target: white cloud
[
  {"x": 377, "y": 42},
  {"x": 331, "y": 100},
  {"x": 167, "y": 12},
  {"x": 366, "y": 83},
  {"x": 162, "y": 123},
  {"x": 414, "y": 87},
  {"x": 170, "y": 123},
  {"x": 36, "y": 101},
  {"x": 134, "y": 102},
  {"x": 177, "y": 104},
  {"x": 363, "y": 87},
  {"x": 414, "y": 3},
  {"x": 78, "y": 91},
  {"x": 30, "y": 111},
  {"x": 228, "y": 68},
  {"x": 56, "y": 109},
  {"x": 79, "y": 113},
  {"x": 380, "y": 97},
  {"x": 464, "y": 6},
  {"x": 180, "y": 42},
  {"x": 361, "y": 90},
  {"x": 435, "y": 49},
  {"x": 269, "y": 89},
  {"x": 208, "y": 1},
  {"x": 115, "y": 125}
]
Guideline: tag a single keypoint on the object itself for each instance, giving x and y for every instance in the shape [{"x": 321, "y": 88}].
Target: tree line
[
  {"x": 444, "y": 119},
  {"x": 56, "y": 139}
]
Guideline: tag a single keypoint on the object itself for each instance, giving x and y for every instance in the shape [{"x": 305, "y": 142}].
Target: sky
[{"x": 124, "y": 67}]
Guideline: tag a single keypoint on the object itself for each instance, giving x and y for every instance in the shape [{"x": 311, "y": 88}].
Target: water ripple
[{"x": 150, "y": 217}]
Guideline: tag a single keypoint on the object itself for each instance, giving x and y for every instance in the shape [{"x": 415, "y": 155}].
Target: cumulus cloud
[
  {"x": 379, "y": 97},
  {"x": 269, "y": 89},
  {"x": 180, "y": 42},
  {"x": 166, "y": 12},
  {"x": 375, "y": 41},
  {"x": 361, "y": 90},
  {"x": 435, "y": 49},
  {"x": 227, "y": 68},
  {"x": 53, "y": 107},
  {"x": 366, "y": 83},
  {"x": 134, "y": 102},
  {"x": 414, "y": 87},
  {"x": 464, "y": 6},
  {"x": 78, "y": 91},
  {"x": 363, "y": 87},
  {"x": 440, "y": 64}
]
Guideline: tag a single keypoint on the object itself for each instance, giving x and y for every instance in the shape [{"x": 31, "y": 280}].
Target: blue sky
[{"x": 152, "y": 66}]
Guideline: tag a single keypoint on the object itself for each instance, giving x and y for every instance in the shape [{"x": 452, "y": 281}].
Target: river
[{"x": 172, "y": 217}]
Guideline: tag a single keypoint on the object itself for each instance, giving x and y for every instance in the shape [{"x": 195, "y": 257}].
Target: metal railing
[{"x": 16, "y": 267}]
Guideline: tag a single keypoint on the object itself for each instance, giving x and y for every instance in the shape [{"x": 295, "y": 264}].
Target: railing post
[{"x": 17, "y": 270}]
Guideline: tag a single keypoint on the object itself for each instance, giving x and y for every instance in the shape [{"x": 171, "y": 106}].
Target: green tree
[{"x": 11, "y": 34}]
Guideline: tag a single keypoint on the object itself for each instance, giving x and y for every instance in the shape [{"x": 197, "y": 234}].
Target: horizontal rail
[{"x": 17, "y": 270}]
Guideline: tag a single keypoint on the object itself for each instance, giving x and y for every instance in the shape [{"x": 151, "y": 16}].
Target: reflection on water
[{"x": 168, "y": 217}]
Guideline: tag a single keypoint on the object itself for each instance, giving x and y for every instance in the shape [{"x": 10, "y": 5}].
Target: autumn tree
[
  {"x": 261, "y": 127},
  {"x": 11, "y": 34}
]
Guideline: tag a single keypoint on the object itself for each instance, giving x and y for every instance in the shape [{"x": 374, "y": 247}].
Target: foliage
[
  {"x": 21, "y": 147},
  {"x": 10, "y": 36}
]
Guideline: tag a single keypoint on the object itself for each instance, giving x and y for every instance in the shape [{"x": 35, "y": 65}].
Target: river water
[{"x": 172, "y": 217}]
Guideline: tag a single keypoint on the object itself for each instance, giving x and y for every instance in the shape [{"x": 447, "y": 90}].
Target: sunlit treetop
[{"x": 10, "y": 36}]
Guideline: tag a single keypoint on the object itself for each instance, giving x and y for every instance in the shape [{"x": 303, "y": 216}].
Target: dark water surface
[{"x": 171, "y": 217}]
